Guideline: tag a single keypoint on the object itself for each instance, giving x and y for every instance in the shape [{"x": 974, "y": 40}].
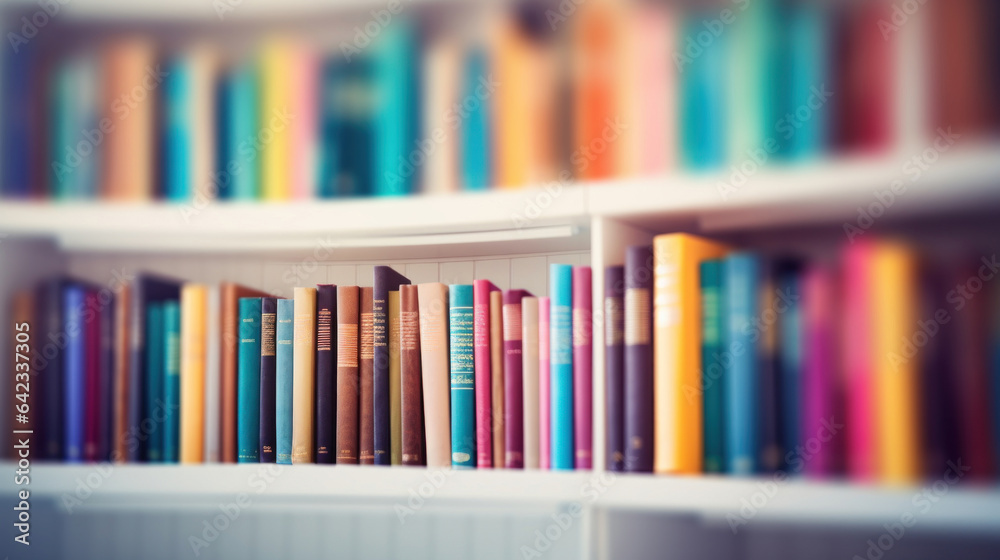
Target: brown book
[
  {"x": 133, "y": 80},
  {"x": 347, "y": 374},
  {"x": 119, "y": 444},
  {"x": 435, "y": 373},
  {"x": 367, "y": 404},
  {"x": 411, "y": 401},
  {"x": 496, "y": 373},
  {"x": 229, "y": 303}
]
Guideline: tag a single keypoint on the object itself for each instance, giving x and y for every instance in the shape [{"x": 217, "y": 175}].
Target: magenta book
[
  {"x": 544, "y": 395},
  {"x": 513, "y": 367},
  {"x": 583, "y": 357},
  {"x": 819, "y": 384},
  {"x": 481, "y": 290}
]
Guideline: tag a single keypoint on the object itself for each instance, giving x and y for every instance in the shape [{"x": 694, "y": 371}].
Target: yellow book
[
  {"x": 194, "y": 298},
  {"x": 395, "y": 384},
  {"x": 276, "y": 79},
  {"x": 893, "y": 278},
  {"x": 677, "y": 425},
  {"x": 303, "y": 375}
]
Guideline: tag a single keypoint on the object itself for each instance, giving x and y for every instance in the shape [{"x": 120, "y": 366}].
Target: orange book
[
  {"x": 194, "y": 299},
  {"x": 677, "y": 401},
  {"x": 897, "y": 366},
  {"x": 132, "y": 79}
]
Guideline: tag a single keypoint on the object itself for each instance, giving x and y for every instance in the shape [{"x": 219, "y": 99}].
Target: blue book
[
  {"x": 791, "y": 347},
  {"x": 74, "y": 371},
  {"x": 713, "y": 345},
  {"x": 347, "y": 164},
  {"x": 172, "y": 381},
  {"x": 284, "y": 334},
  {"x": 236, "y": 113},
  {"x": 155, "y": 378},
  {"x": 561, "y": 365},
  {"x": 21, "y": 129},
  {"x": 476, "y": 173},
  {"x": 808, "y": 71},
  {"x": 177, "y": 133},
  {"x": 742, "y": 280},
  {"x": 463, "y": 374},
  {"x": 248, "y": 382},
  {"x": 702, "y": 97},
  {"x": 395, "y": 122}
]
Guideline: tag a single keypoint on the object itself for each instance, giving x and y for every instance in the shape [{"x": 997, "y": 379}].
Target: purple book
[
  {"x": 818, "y": 383},
  {"x": 326, "y": 374},
  {"x": 583, "y": 367},
  {"x": 614, "y": 366},
  {"x": 639, "y": 359},
  {"x": 513, "y": 402}
]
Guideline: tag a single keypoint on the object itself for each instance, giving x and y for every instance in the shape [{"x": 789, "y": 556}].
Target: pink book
[
  {"x": 859, "y": 425},
  {"x": 304, "y": 138},
  {"x": 94, "y": 406},
  {"x": 818, "y": 381},
  {"x": 657, "y": 84},
  {"x": 481, "y": 290},
  {"x": 544, "y": 421},
  {"x": 583, "y": 358},
  {"x": 513, "y": 414}
]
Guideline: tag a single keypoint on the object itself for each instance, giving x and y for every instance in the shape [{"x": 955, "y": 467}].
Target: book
[
  {"x": 284, "y": 355},
  {"x": 583, "y": 367},
  {"x": 248, "y": 378},
  {"x": 74, "y": 99},
  {"x": 808, "y": 43},
  {"x": 326, "y": 374},
  {"x": 433, "y": 309},
  {"x": 108, "y": 306},
  {"x": 476, "y": 127},
  {"x": 411, "y": 401},
  {"x": 303, "y": 127},
  {"x": 561, "y": 365},
  {"x": 277, "y": 61},
  {"x": 172, "y": 381},
  {"x": 498, "y": 381},
  {"x": 865, "y": 72},
  {"x": 649, "y": 90},
  {"x": 348, "y": 167},
  {"x": 513, "y": 366},
  {"x": 742, "y": 395},
  {"x": 482, "y": 357},
  {"x": 229, "y": 296},
  {"x": 194, "y": 299},
  {"x": 677, "y": 427},
  {"x": 74, "y": 371},
  {"x": 268, "y": 435},
  {"x": 994, "y": 354},
  {"x": 395, "y": 123},
  {"x": 791, "y": 351},
  {"x": 156, "y": 381},
  {"x": 93, "y": 405},
  {"x": 187, "y": 113},
  {"x": 529, "y": 371},
  {"x": 23, "y": 140},
  {"x": 128, "y": 155},
  {"x": 395, "y": 382},
  {"x": 939, "y": 431},
  {"x": 859, "y": 404},
  {"x": 347, "y": 374},
  {"x": 614, "y": 367},
  {"x": 639, "y": 359},
  {"x": 366, "y": 372},
  {"x": 442, "y": 73},
  {"x": 702, "y": 95},
  {"x": 771, "y": 453},
  {"x": 238, "y": 121},
  {"x": 304, "y": 376},
  {"x": 462, "y": 376},
  {"x": 713, "y": 379},
  {"x": 386, "y": 281},
  {"x": 49, "y": 326},
  {"x": 819, "y": 381},
  {"x": 544, "y": 387},
  {"x": 213, "y": 371},
  {"x": 751, "y": 100}
]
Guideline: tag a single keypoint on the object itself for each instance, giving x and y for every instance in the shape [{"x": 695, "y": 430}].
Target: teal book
[
  {"x": 347, "y": 160},
  {"x": 742, "y": 280},
  {"x": 396, "y": 128},
  {"x": 172, "y": 381},
  {"x": 475, "y": 136},
  {"x": 238, "y": 155},
  {"x": 74, "y": 129},
  {"x": 248, "y": 382},
  {"x": 285, "y": 332},
  {"x": 561, "y": 365},
  {"x": 156, "y": 382},
  {"x": 177, "y": 132},
  {"x": 803, "y": 128},
  {"x": 463, "y": 394},
  {"x": 712, "y": 364},
  {"x": 702, "y": 100},
  {"x": 752, "y": 92}
]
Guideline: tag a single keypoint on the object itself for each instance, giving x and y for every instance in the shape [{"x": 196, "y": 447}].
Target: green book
[
  {"x": 172, "y": 381},
  {"x": 712, "y": 368}
]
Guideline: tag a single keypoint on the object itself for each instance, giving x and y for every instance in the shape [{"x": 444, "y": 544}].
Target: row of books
[
  {"x": 534, "y": 95},
  {"x": 461, "y": 375},
  {"x": 882, "y": 365}
]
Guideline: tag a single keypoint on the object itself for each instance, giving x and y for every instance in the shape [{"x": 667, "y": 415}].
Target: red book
[
  {"x": 94, "y": 405},
  {"x": 513, "y": 414},
  {"x": 583, "y": 359},
  {"x": 481, "y": 290},
  {"x": 411, "y": 397}
]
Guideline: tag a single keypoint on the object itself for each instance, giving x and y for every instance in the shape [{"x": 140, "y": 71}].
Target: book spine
[
  {"x": 268, "y": 383},
  {"x": 433, "y": 309},
  {"x": 791, "y": 352},
  {"x": 105, "y": 418},
  {"x": 155, "y": 379},
  {"x": 544, "y": 386},
  {"x": 411, "y": 401},
  {"x": 75, "y": 372},
  {"x": 513, "y": 413},
  {"x": 818, "y": 380},
  {"x": 326, "y": 380},
  {"x": 583, "y": 367},
  {"x": 741, "y": 375},
  {"x": 463, "y": 404},
  {"x": 193, "y": 303},
  {"x": 177, "y": 131},
  {"x": 229, "y": 350},
  {"x": 277, "y": 60},
  {"x": 212, "y": 376},
  {"x": 561, "y": 364},
  {"x": 304, "y": 376},
  {"x": 366, "y": 371},
  {"x": 50, "y": 316},
  {"x": 712, "y": 345},
  {"x": 614, "y": 367},
  {"x": 771, "y": 453},
  {"x": 497, "y": 384},
  {"x": 529, "y": 349},
  {"x": 386, "y": 280},
  {"x": 861, "y": 450},
  {"x": 639, "y": 278},
  {"x": 284, "y": 338},
  {"x": 347, "y": 374},
  {"x": 172, "y": 381},
  {"x": 395, "y": 382},
  {"x": 476, "y": 134},
  {"x": 481, "y": 355},
  {"x": 93, "y": 404},
  {"x": 136, "y": 373},
  {"x": 394, "y": 70},
  {"x": 248, "y": 381}
]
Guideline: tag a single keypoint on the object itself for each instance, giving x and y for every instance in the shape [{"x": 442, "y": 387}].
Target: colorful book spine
[
  {"x": 127, "y": 63},
  {"x": 105, "y": 419},
  {"x": 194, "y": 299},
  {"x": 771, "y": 451},
  {"x": 639, "y": 387},
  {"x": 347, "y": 374},
  {"x": 476, "y": 134},
  {"x": 304, "y": 376},
  {"x": 859, "y": 405},
  {"x": 561, "y": 365},
  {"x": 498, "y": 377},
  {"x": 284, "y": 355},
  {"x": 713, "y": 379},
  {"x": 702, "y": 96},
  {"x": 248, "y": 381},
  {"x": 583, "y": 367},
  {"x": 529, "y": 361},
  {"x": 597, "y": 48},
  {"x": 808, "y": 67},
  {"x": 177, "y": 131},
  {"x": 792, "y": 352},
  {"x": 481, "y": 290},
  {"x": 155, "y": 379},
  {"x": 172, "y": 381},
  {"x": 277, "y": 61},
  {"x": 434, "y": 365},
  {"x": 819, "y": 379},
  {"x": 119, "y": 433},
  {"x": 75, "y": 90},
  {"x": 74, "y": 371},
  {"x": 213, "y": 371},
  {"x": 513, "y": 379},
  {"x": 268, "y": 380},
  {"x": 366, "y": 372},
  {"x": 614, "y": 367},
  {"x": 50, "y": 301},
  {"x": 411, "y": 403},
  {"x": 994, "y": 395},
  {"x": 394, "y": 65},
  {"x": 463, "y": 403},
  {"x": 386, "y": 280},
  {"x": 544, "y": 386},
  {"x": 229, "y": 338},
  {"x": 93, "y": 405},
  {"x": 326, "y": 374},
  {"x": 239, "y": 118},
  {"x": 395, "y": 383},
  {"x": 742, "y": 398}
]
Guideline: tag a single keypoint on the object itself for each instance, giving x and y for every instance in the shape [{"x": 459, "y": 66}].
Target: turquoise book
[
  {"x": 803, "y": 128},
  {"x": 347, "y": 159},
  {"x": 73, "y": 100},
  {"x": 396, "y": 128},
  {"x": 702, "y": 71},
  {"x": 752, "y": 92},
  {"x": 742, "y": 280},
  {"x": 712, "y": 364},
  {"x": 284, "y": 334},
  {"x": 463, "y": 394},
  {"x": 172, "y": 381},
  {"x": 248, "y": 382},
  {"x": 238, "y": 157},
  {"x": 156, "y": 382},
  {"x": 561, "y": 365},
  {"x": 177, "y": 133},
  {"x": 475, "y": 129}
]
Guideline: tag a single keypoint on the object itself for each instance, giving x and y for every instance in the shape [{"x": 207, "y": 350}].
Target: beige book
[
  {"x": 303, "y": 375},
  {"x": 194, "y": 301},
  {"x": 433, "y": 303},
  {"x": 529, "y": 370},
  {"x": 496, "y": 373}
]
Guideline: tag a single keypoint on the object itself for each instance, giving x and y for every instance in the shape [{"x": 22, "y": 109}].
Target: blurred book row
[{"x": 520, "y": 96}]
